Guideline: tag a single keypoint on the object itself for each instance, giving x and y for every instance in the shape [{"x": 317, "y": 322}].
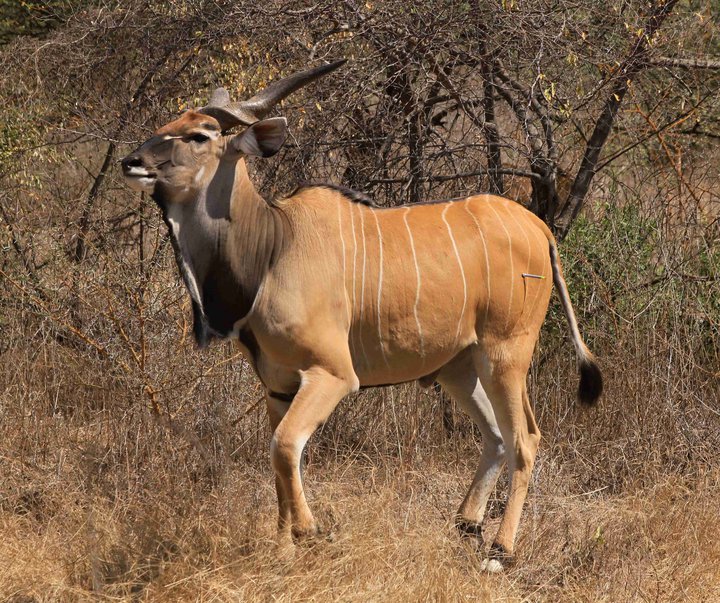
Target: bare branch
[
  {"x": 630, "y": 67},
  {"x": 685, "y": 62},
  {"x": 459, "y": 176}
]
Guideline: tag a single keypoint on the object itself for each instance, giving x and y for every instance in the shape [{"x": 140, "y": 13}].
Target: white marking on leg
[
  {"x": 463, "y": 385},
  {"x": 362, "y": 286},
  {"x": 462, "y": 272},
  {"x": 417, "y": 286},
  {"x": 512, "y": 269},
  {"x": 487, "y": 258},
  {"x": 298, "y": 446},
  {"x": 379, "y": 297},
  {"x": 344, "y": 262}
]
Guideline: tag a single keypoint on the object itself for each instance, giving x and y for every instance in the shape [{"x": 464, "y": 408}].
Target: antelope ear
[{"x": 262, "y": 139}]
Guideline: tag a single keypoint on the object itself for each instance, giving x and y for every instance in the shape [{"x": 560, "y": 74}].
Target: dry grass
[
  {"x": 103, "y": 501},
  {"x": 100, "y": 499},
  {"x": 393, "y": 541}
]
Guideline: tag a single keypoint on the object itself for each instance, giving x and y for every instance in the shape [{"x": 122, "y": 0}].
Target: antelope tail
[{"x": 591, "y": 382}]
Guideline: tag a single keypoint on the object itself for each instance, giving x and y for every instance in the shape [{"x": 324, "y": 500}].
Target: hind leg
[
  {"x": 461, "y": 382},
  {"x": 503, "y": 376}
]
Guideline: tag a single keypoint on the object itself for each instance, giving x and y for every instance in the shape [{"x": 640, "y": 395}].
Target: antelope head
[{"x": 182, "y": 157}]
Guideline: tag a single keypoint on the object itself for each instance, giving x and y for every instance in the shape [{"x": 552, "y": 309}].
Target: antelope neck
[{"x": 224, "y": 242}]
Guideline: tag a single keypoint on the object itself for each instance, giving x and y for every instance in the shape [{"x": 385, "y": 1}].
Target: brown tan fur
[
  {"x": 397, "y": 321},
  {"x": 337, "y": 295}
]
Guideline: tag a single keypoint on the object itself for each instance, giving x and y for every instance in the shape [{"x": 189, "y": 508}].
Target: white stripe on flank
[
  {"x": 417, "y": 287},
  {"x": 543, "y": 243},
  {"x": 512, "y": 269},
  {"x": 487, "y": 259},
  {"x": 344, "y": 262},
  {"x": 362, "y": 286},
  {"x": 462, "y": 272},
  {"x": 380, "y": 276},
  {"x": 512, "y": 215}
]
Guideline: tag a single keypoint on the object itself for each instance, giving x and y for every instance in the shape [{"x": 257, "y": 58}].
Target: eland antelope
[{"x": 326, "y": 294}]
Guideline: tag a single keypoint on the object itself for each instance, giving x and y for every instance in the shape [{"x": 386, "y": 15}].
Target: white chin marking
[
  {"x": 491, "y": 566},
  {"x": 142, "y": 184}
]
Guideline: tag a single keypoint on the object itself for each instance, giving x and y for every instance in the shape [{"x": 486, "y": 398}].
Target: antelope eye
[{"x": 199, "y": 138}]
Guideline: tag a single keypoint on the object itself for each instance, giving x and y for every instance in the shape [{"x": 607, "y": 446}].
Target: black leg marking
[
  {"x": 288, "y": 398},
  {"x": 499, "y": 553},
  {"x": 469, "y": 529}
]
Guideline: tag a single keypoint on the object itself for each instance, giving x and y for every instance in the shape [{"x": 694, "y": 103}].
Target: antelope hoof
[
  {"x": 498, "y": 559},
  {"x": 305, "y": 535},
  {"x": 492, "y": 566}
]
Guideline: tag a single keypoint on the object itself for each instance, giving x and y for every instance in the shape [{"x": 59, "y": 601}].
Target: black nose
[{"x": 131, "y": 161}]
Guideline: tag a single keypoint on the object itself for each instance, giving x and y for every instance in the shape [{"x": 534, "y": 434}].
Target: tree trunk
[{"x": 632, "y": 65}]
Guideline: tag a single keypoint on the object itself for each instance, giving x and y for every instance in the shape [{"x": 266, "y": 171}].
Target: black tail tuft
[{"x": 591, "y": 382}]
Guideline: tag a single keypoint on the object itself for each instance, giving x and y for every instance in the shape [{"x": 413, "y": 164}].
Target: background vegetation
[{"x": 133, "y": 467}]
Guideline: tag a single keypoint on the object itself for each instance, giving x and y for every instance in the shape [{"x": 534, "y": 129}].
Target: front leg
[
  {"x": 277, "y": 409},
  {"x": 320, "y": 392}
]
